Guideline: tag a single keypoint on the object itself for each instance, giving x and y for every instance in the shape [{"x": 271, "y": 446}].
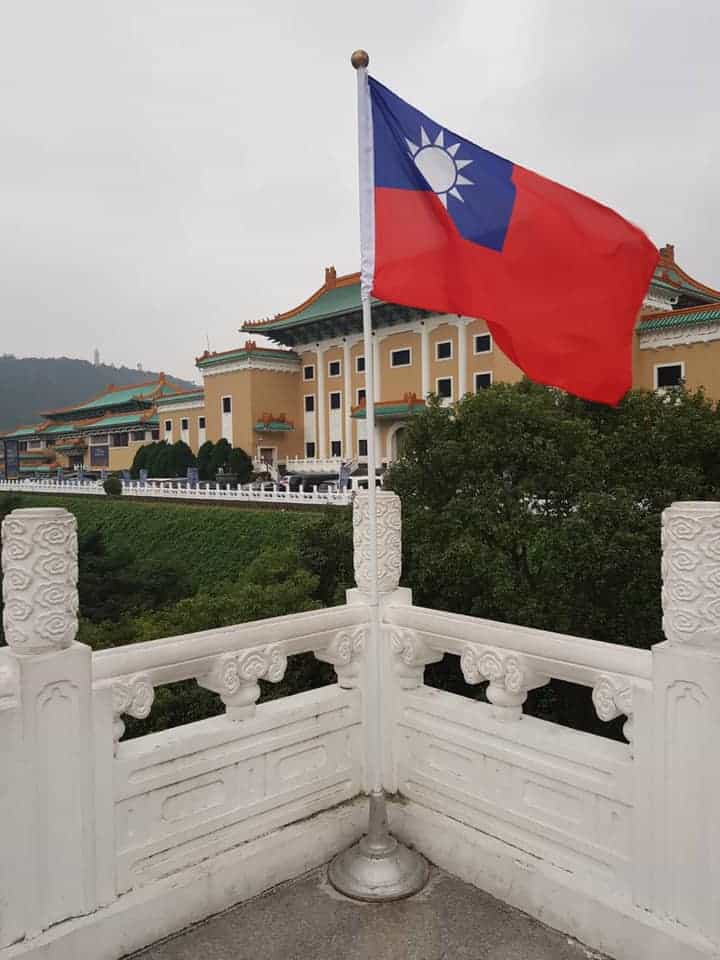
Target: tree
[
  {"x": 140, "y": 460},
  {"x": 240, "y": 464},
  {"x": 204, "y": 457},
  {"x": 183, "y": 457},
  {"x": 220, "y": 459}
]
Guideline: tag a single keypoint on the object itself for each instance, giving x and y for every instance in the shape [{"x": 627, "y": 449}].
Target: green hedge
[{"x": 212, "y": 543}]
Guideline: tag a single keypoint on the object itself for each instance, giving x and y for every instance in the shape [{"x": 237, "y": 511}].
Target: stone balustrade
[{"x": 109, "y": 844}]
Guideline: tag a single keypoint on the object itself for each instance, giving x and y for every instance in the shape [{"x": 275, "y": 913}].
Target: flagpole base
[{"x": 378, "y": 867}]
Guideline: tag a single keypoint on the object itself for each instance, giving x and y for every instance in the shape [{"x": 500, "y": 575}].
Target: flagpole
[{"x": 378, "y": 867}]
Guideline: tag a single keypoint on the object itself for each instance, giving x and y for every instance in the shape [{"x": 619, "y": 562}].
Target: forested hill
[{"x": 31, "y": 385}]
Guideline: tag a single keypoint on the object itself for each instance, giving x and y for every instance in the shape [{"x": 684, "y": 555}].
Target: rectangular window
[
  {"x": 444, "y": 388},
  {"x": 22, "y": 446},
  {"x": 361, "y": 395},
  {"x": 120, "y": 439},
  {"x": 482, "y": 380},
  {"x": 309, "y": 372},
  {"x": 335, "y": 401},
  {"x": 227, "y": 404},
  {"x": 362, "y": 448},
  {"x": 155, "y": 434},
  {"x": 101, "y": 439},
  {"x": 401, "y": 357},
  {"x": 668, "y": 375},
  {"x": 34, "y": 444},
  {"x": 335, "y": 448},
  {"x": 309, "y": 402},
  {"x": 443, "y": 350},
  {"x": 310, "y": 449},
  {"x": 137, "y": 436},
  {"x": 360, "y": 364},
  {"x": 334, "y": 368},
  {"x": 168, "y": 426},
  {"x": 184, "y": 423},
  {"x": 483, "y": 343},
  {"x": 201, "y": 423}
]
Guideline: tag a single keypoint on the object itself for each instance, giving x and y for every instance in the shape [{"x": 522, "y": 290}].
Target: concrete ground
[{"x": 306, "y": 919}]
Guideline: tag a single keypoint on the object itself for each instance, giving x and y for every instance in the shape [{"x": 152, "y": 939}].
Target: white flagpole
[{"x": 378, "y": 867}]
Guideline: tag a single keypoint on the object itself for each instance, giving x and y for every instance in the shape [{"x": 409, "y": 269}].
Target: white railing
[
  {"x": 314, "y": 465},
  {"x": 109, "y": 844},
  {"x": 181, "y": 490}
]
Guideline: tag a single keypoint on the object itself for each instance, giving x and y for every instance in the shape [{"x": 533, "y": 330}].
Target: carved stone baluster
[
  {"x": 133, "y": 696},
  {"x": 345, "y": 652},
  {"x": 412, "y": 654},
  {"x": 234, "y": 676},
  {"x": 510, "y": 676},
  {"x": 389, "y": 553},
  {"x": 613, "y": 697}
]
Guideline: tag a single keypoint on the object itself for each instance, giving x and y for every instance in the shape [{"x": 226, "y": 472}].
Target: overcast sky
[{"x": 172, "y": 168}]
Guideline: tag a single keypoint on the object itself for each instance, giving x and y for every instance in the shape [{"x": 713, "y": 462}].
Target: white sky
[{"x": 175, "y": 167}]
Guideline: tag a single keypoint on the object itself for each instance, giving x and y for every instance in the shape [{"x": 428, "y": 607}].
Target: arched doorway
[{"x": 396, "y": 441}]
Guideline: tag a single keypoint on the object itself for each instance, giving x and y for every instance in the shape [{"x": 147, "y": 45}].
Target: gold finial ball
[{"x": 360, "y": 59}]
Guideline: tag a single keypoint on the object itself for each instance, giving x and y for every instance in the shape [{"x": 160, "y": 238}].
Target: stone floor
[{"x": 306, "y": 919}]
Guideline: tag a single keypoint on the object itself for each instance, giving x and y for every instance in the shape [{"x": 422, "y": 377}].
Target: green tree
[
  {"x": 240, "y": 463},
  {"x": 220, "y": 459},
  {"x": 204, "y": 457},
  {"x": 183, "y": 458}
]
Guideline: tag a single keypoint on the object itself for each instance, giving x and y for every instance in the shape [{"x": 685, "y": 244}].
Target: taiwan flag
[{"x": 450, "y": 227}]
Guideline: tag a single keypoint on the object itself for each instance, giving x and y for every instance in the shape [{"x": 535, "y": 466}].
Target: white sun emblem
[{"x": 438, "y": 165}]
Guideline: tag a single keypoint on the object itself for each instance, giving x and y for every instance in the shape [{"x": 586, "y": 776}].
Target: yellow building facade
[{"x": 302, "y": 403}]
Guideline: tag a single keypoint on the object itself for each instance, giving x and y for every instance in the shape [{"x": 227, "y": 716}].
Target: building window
[
  {"x": 309, "y": 372},
  {"x": 668, "y": 375},
  {"x": 334, "y": 368},
  {"x": 184, "y": 424},
  {"x": 102, "y": 438},
  {"x": 361, "y": 396},
  {"x": 443, "y": 350},
  {"x": 362, "y": 448},
  {"x": 401, "y": 357},
  {"x": 22, "y": 446},
  {"x": 227, "y": 404},
  {"x": 155, "y": 435},
  {"x": 483, "y": 343},
  {"x": 482, "y": 380},
  {"x": 34, "y": 444},
  {"x": 335, "y": 401},
  {"x": 137, "y": 436},
  {"x": 309, "y": 402},
  {"x": 120, "y": 439},
  {"x": 201, "y": 423},
  {"x": 310, "y": 449},
  {"x": 360, "y": 364},
  {"x": 168, "y": 426},
  {"x": 444, "y": 388},
  {"x": 335, "y": 448}
]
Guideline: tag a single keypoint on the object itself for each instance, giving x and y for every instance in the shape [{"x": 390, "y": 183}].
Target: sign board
[
  {"x": 193, "y": 475},
  {"x": 12, "y": 460},
  {"x": 99, "y": 456},
  {"x": 143, "y": 476}
]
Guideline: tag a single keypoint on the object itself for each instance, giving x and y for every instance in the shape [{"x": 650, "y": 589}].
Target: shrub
[
  {"x": 240, "y": 464},
  {"x": 113, "y": 486},
  {"x": 204, "y": 457},
  {"x": 220, "y": 458}
]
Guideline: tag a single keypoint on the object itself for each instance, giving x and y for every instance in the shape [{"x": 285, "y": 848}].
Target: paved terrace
[{"x": 307, "y": 918}]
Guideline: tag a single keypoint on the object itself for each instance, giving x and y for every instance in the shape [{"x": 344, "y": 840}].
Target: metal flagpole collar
[{"x": 378, "y": 867}]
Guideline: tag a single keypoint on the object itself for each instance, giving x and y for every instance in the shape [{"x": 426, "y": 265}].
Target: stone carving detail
[
  {"x": 510, "y": 676},
  {"x": 133, "y": 696},
  {"x": 691, "y": 573},
  {"x": 411, "y": 655},
  {"x": 389, "y": 555},
  {"x": 39, "y": 562},
  {"x": 613, "y": 697},
  {"x": 235, "y": 677},
  {"x": 345, "y": 652}
]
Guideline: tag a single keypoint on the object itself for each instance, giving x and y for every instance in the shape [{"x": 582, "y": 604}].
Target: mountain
[{"x": 31, "y": 385}]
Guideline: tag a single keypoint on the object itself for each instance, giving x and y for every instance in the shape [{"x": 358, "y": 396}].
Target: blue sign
[
  {"x": 12, "y": 460},
  {"x": 99, "y": 456},
  {"x": 143, "y": 476}
]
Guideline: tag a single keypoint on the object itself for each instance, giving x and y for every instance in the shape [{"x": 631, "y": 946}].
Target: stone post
[
  {"x": 389, "y": 564},
  {"x": 686, "y": 722},
  {"x": 47, "y": 733}
]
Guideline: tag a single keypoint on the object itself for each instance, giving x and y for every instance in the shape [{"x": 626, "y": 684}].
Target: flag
[{"x": 450, "y": 227}]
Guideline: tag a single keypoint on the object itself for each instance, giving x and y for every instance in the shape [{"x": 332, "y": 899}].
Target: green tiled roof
[
  {"x": 681, "y": 318},
  {"x": 272, "y": 426},
  {"x": 284, "y": 356},
  {"x": 122, "y": 420},
  {"x": 22, "y": 432},
  {"x": 189, "y": 397},
  {"x": 389, "y": 410},
  {"x": 114, "y": 398},
  {"x": 333, "y": 303},
  {"x": 61, "y": 428}
]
